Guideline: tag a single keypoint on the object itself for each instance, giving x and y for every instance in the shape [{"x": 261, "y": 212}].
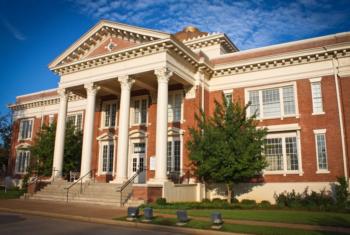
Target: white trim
[
  {"x": 315, "y": 79},
  {"x": 285, "y": 170},
  {"x": 321, "y": 132},
  {"x": 132, "y": 110},
  {"x": 27, "y": 161},
  {"x": 103, "y": 114},
  {"x": 171, "y": 97},
  {"x": 283, "y": 127},
  {"x": 280, "y": 87},
  {"x": 101, "y": 142},
  {"x": 228, "y": 91},
  {"x": 32, "y": 119},
  {"x": 76, "y": 113}
]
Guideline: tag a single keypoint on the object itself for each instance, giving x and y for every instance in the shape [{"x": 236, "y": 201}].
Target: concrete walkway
[{"x": 104, "y": 214}]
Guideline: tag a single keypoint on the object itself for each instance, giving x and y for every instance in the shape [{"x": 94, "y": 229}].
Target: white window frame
[
  {"x": 27, "y": 161},
  {"x": 321, "y": 132},
  {"x": 171, "y": 98},
  {"x": 285, "y": 170},
  {"x": 280, "y": 87},
  {"x": 312, "y": 82},
  {"x": 76, "y": 119},
  {"x": 132, "y": 141},
  {"x": 51, "y": 119},
  {"x": 228, "y": 93},
  {"x": 172, "y": 139},
  {"x": 100, "y": 167},
  {"x": 132, "y": 110},
  {"x": 20, "y": 137},
  {"x": 103, "y": 112}
]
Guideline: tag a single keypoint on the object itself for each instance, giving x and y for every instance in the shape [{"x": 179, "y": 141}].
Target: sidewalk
[{"x": 104, "y": 214}]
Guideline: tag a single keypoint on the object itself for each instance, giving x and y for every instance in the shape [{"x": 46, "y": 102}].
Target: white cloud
[
  {"x": 13, "y": 30},
  {"x": 248, "y": 23}
]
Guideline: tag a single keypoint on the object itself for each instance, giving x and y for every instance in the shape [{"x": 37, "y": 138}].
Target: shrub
[
  {"x": 341, "y": 191},
  {"x": 264, "y": 204},
  {"x": 206, "y": 200},
  {"x": 248, "y": 202},
  {"x": 315, "y": 200},
  {"x": 234, "y": 200},
  {"x": 161, "y": 201}
]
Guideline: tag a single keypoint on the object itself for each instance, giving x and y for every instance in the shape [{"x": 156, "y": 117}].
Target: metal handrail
[
  {"x": 91, "y": 172},
  {"x": 127, "y": 184}
]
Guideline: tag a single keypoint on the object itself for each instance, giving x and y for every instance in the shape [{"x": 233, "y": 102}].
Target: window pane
[
  {"x": 321, "y": 151},
  {"x": 110, "y": 160},
  {"x": 228, "y": 97},
  {"x": 271, "y": 102},
  {"x": 177, "y": 107},
  {"x": 292, "y": 153},
  {"x": 134, "y": 164},
  {"x": 107, "y": 115},
  {"x": 274, "y": 154},
  {"x": 137, "y": 111},
  {"x": 317, "y": 97},
  {"x": 177, "y": 148},
  {"x": 288, "y": 100},
  {"x": 144, "y": 111},
  {"x": 139, "y": 147},
  {"x": 113, "y": 114},
  {"x": 79, "y": 121},
  {"x": 254, "y": 103},
  {"x": 104, "y": 158},
  {"x": 169, "y": 163}
]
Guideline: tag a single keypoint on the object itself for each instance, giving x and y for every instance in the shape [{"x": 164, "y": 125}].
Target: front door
[{"x": 139, "y": 162}]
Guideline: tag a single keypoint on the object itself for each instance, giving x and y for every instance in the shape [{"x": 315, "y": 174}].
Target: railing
[
  {"x": 127, "y": 184},
  {"x": 32, "y": 186},
  {"x": 90, "y": 173}
]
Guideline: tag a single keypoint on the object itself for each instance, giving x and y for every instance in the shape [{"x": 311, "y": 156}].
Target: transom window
[
  {"x": 173, "y": 158},
  {"x": 22, "y": 161},
  {"x": 174, "y": 107},
  {"x": 139, "y": 148},
  {"x": 321, "y": 150},
  {"x": 25, "y": 129},
  {"x": 76, "y": 119},
  {"x": 109, "y": 114},
  {"x": 317, "y": 103},
  {"x": 281, "y": 152},
  {"x": 272, "y": 102},
  {"x": 140, "y": 111},
  {"x": 107, "y": 157}
]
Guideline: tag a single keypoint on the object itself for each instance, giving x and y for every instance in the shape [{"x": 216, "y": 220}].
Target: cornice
[
  {"x": 42, "y": 102},
  {"x": 210, "y": 40},
  {"x": 278, "y": 61}
]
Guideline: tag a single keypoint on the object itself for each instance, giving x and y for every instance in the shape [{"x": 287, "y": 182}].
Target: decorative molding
[
  {"x": 315, "y": 79},
  {"x": 163, "y": 74},
  {"x": 126, "y": 82},
  {"x": 91, "y": 89}
]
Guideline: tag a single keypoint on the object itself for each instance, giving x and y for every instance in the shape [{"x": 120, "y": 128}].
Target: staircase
[{"x": 93, "y": 193}]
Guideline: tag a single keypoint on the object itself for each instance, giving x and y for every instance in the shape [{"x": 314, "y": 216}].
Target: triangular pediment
[{"x": 104, "y": 38}]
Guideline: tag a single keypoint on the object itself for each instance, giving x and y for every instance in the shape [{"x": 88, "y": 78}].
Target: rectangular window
[
  {"x": 22, "y": 161},
  {"x": 140, "y": 111},
  {"x": 174, "y": 107},
  {"x": 109, "y": 114},
  {"x": 51, "y": 119},
  {"x": 281, "y": 152},
  {"x": 75, "y": 119},
  {"x": 139, "y": 148},
  {"x": 25, "y": 129},
  {"x": 228, "y": 97},
  {"x": 272, "y": 102},
  {"x": 321, "y": 151},
  {"x": 173, "y": 158},
  {"x": 317, "y": 103},
  {"x": 107, "y": 158}
]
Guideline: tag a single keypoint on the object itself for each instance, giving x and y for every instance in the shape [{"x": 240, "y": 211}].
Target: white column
[
  {"x": 163, "y": 76},
  {"x": 86, "y": 155},
  {"x": 60, "y": 134},
  {"x": 123, "y": 129}
]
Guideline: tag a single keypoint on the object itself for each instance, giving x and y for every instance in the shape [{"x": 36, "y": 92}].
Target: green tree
[
  {"x": 5, "y": 139},
  {"x": 42, "y": 150},
  {"x": 227, "y": 146}
]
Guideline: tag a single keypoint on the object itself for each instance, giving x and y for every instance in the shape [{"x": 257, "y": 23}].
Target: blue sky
[{"x": 34, "y": 32}]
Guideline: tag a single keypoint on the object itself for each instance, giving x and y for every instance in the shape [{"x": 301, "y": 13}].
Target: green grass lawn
[
  {"x": 285, "y": 216},
  {"x": 250, "y": 229},
  {"x": 10, "y": 193}
]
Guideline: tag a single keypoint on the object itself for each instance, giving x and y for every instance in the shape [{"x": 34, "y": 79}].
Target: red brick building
[{"x": 134, "y": 93}]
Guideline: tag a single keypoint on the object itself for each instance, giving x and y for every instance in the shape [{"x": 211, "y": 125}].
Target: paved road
[{"x": 13, "y": 224}]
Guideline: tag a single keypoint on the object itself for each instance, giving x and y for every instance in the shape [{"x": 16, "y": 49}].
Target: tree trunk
[{"x": 229, "y": 192}]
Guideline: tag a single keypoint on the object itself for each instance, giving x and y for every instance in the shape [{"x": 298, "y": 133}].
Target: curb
[{"x": 134, "y": 225}]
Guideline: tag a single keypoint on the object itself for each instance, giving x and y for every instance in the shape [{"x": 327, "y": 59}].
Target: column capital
[
  {"x": 163, "y": 74},
  {"x": 91, "y": 88},
  {"x": 62, "y": 92},
  {"x": 125, "y": 81}
]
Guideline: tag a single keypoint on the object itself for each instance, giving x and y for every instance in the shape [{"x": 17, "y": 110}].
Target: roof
[{"x": 189, "y": 32}]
